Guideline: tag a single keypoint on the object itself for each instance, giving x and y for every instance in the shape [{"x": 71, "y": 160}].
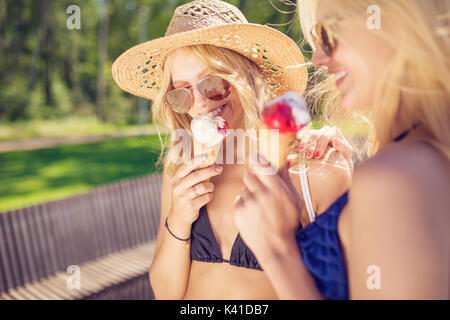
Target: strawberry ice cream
[{"x": 288, "y": 115}]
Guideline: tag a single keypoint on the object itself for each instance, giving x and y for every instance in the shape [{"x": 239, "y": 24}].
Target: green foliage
[
  {"x": 30, "y": 177},
  {"x": 50, "y": 72}
]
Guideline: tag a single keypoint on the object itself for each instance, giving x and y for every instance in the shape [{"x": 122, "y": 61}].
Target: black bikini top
[{"x": 204, "y": 246}]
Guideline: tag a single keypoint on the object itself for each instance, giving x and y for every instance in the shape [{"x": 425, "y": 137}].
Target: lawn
[
  {"x": 68, "y": 127},
  {"x": 31, "y": 177}
]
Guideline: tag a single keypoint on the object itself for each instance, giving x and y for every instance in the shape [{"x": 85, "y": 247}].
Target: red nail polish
[
  {"x": 309, "y": 154},
  {"x": 301, "y": 147},
  {"x": 317, "y": 154},
  {"x": 288, "y": 164}
]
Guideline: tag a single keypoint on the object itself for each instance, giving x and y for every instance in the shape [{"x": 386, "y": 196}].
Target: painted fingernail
[
  {"x": 301, "y": 147},
  {"x": 309, "y": 154},
  {"x": 288, "y": 164},
  {"x": 317, "y": 155}
]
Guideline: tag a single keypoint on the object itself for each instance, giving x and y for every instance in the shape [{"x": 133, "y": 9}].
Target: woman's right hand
[{"x": 191, "y": 190}]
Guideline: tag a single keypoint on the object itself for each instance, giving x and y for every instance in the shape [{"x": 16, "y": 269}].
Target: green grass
[
  {"x": 31, "y": 177},
  {"x": 67, "y": 127}
]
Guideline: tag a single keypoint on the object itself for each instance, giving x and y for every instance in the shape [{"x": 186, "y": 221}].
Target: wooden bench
[{"x": 108, "y": 234}]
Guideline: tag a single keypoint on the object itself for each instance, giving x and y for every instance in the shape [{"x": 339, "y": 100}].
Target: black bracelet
[{"x": 184, "y": 240}]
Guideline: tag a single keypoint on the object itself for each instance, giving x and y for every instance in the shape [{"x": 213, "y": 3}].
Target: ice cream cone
[
  {"x": 211, "y": 153},
  {"x": 208, "y": 133},
  {"x": 275, "y": 146},
  {"x": 282, "y": 118}
]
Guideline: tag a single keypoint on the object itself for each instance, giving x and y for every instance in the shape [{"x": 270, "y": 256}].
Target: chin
[{"x": 351, "y": 102}]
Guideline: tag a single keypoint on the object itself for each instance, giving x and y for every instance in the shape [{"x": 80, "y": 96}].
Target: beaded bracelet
[{"x": 184, "y": 240}]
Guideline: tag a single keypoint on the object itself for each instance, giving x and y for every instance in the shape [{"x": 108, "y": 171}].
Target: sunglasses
[
  {"x": 323, "y": 39},
  {"x": 212, "y": 87}
]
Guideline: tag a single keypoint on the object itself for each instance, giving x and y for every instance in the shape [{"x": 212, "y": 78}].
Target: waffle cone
[
  {"x": 211, "y": 153},
  {"x": 276, "y": 156}
]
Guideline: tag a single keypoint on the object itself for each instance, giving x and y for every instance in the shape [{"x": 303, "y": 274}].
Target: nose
[
  {"x": 199, "y": 103},
  {"x": 319, "y": 58}
]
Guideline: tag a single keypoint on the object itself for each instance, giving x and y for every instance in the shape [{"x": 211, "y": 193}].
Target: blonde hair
[
  {"x": 240, "y": 72},
  {"x": 416, "y": 82}
]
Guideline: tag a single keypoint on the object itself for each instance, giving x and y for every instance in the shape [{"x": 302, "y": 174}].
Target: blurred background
[
  {"x": 79, "y": 180},
  {"x": 65, "y": 126}
]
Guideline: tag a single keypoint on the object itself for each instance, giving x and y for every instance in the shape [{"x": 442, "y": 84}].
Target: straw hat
[{"x": 139, "y": 70}]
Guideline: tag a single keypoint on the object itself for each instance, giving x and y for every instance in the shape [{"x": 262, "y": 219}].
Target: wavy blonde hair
[
  {"x": 240, "y": 72},
  {"x": 416, "y": 82}
]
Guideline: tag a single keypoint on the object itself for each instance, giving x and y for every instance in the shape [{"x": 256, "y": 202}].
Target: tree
[{"x": 102, "y": 57}]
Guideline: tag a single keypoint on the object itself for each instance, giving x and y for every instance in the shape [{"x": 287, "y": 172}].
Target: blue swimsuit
[{"x": 321, "y": 249}]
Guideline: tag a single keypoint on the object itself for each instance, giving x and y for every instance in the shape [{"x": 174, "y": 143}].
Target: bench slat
[
  {"x": 109, "y": 202},
  {"x": 96, "y": 220},
  {"x": 61, "y": 247},
  {"x": 43, "y": 251},
  {"x": 50, "y": 244},
  {"x": 140, "y": 210},
  {"x": 20, "y": 244},
  {"x": 39, "y": 294},
  {"x": 132, "y": 213},
  {"x": 119, "y": 218},
  {"x": 15, "y": 277},
  {"x": 6, "y": 275},
  {"x": 149, "y": 208},
  {"x": 32, "y": 273},
  {"x": 108, "y": 221},
  {"x": 152, "y": 188},
  {"x": 68, "y": 242}
]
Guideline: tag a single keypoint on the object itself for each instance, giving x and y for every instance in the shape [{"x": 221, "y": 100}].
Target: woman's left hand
[
  {"x": 315, "y": 144},
  {"x": 267, "y": 212}
]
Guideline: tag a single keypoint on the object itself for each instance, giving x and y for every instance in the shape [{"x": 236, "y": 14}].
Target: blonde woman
[
  {"x": 387, "y": 237},
  {"x": 212, "y": 61}
]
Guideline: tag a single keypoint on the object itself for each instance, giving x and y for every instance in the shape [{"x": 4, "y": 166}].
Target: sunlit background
[
  {"x": 80, "y": 182},
  {"x": 65, "y": 126}
]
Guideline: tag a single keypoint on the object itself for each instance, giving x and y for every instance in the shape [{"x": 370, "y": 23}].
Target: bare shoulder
[
  {"x": 409, "y": 178},
  {"x": 397, "y": 218},
  {"x": 415, "y": 161},
  {"x": 326, "y": 182}
]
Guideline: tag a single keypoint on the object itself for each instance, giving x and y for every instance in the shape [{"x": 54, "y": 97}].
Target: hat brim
[{"x": 139, "y": 69}]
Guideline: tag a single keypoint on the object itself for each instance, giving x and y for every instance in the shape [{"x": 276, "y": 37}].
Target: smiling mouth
[
  {"x": 217, "y": 111},
  {"x": 340, "y": 75}
]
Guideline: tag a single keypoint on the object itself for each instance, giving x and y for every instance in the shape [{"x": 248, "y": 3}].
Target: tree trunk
[
  {"x": 102, "y": 57},
  {"x": 15, "y": 43},
  {"x": 71, "y": 63},
  {"x": 48, "y": 61},
  {"x": 42, "y": 31},
  {"x": 2, "y": 25}
]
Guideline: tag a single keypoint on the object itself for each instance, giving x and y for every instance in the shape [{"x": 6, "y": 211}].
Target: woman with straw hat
[{"x": 210, "y": 47}]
